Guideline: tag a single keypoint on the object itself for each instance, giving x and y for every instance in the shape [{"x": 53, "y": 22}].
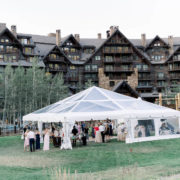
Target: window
[
  {"x": 160, "y": 75},
  {"x": 1, "y": 57},
  {"x": 108, "y": 58},
  {"x": 14, "y": 58},
  {"x": 72, "y": 67},
  {"x": 56, "y": 66},
  {"x": 73, "y": 50},
  {"x": 6, "y": 40},
  {"x": 94, "y": 67},
  {"x": 111, "y": 83},
  {"x": 138, "y": 66},
  {"x": 109, "y": 68},
  {"x": 87, "y": 67},
  {"x": 69, "y": 44},
  {"x": 24, "y": 41},
  {"x": 161, "y": 83},
  {"x": 1, "y": 48},
  {"x": 145, "y": 67},
  {"x": 52, "y": 56},
  {"x": 50, "y": 65},
  {"x": 2, "y": 40},
  {"x": 97, "y": 58},
  {"x": 28, "y": 50},
  {"x": 9, "y": 48}
]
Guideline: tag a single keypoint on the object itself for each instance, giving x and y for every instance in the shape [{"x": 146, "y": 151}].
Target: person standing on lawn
[
  {"x": 74, "y": 132},
  {"x": 26, "y": 141},
  {"x": 46, "y": 140},
  {"x": 31, "y": 137},
  {"x": 102, "y": 130},
  {"x": 37, "y": 139}
]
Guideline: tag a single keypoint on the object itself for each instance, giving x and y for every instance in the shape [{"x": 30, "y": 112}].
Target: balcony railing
[
  {"x": 114, "y": 51},
  {"x": 56, "y": 69},
  {"x": 119, "y": 69},
  {"x": 143, "y": 69},
  {"x": 91, "y": 70},
  {"x": 174, "y": 69}
]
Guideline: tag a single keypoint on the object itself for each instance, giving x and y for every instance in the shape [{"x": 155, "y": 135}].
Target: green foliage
[
  {"x": 89, "y": 84},
  {"x": 26, "y": 90}
]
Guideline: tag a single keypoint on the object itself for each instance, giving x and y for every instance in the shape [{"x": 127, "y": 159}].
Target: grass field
[{"x": 113, "y": 160}]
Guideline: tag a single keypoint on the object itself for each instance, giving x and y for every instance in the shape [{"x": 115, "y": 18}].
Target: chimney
[
  {"x": 77, "y": 37},
  {"x": 99, "y": 35},
  {"x": 14, "y": 30},
  {"x": 112, "y": 29},
  {"x": 2, "y": 25},
  {"x": 58, "y": 37},
  {"x": 170, "y": 42},
  {"x": 143, "y": 40},
  {"x": 52, "y": 34}
]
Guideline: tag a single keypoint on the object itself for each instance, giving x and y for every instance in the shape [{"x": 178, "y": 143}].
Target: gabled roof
[
  {"x": 56, "y": 47},
  {"x": 117, "y": 31},
  {"x": 69, "y": 37},
  {"x": 6, "y": 30},
  {"x": 124, "y": 85},
  {"x": 175, "y": 51},
  {"x": 156, "y": 38}
]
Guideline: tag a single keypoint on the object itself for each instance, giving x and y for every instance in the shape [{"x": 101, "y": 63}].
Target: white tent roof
[{"x": 99, "y": 104}]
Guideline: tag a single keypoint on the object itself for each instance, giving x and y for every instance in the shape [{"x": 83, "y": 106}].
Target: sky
[{"x": 89, "y": 17}]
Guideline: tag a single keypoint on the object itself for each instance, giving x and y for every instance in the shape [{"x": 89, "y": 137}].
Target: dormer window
[
  {"x": 157, "y": 44},
  {"x": 24, "y": 41},
  {"x": 69, "y": 44}
]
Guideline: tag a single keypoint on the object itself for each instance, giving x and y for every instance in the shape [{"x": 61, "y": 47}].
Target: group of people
[
  {"x": 98, "y": 131},
  {"x": 32, "y": 138}
]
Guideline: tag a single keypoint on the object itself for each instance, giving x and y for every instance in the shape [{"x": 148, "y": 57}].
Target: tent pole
[{"x": 40, "y": 130}]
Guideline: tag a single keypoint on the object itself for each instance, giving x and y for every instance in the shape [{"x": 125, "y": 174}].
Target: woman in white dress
[
  {"x": 46, "y": 140},
  {"x": 26, "y": 141}
]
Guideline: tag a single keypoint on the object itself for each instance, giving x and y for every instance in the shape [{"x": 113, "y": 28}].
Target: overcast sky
[{"x": 89, "y": 17}]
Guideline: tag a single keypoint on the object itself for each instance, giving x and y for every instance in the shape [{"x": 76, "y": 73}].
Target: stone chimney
[
  {"x": 14, "y": 30},
  {"x": 99, "y": 35},
  {"x": 2, "y": 25},
  {"x": 112, "y": 29},
  {"x": 170, "y": 42},
  {"x": 52, "y": 34},
  {"x": 77, "y": 37},
  {"x": 58, "y": 37},
  {"x": 143, "y": 40}
]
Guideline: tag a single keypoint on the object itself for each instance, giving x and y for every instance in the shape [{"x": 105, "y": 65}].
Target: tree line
[{"x": 23, "y": 91}]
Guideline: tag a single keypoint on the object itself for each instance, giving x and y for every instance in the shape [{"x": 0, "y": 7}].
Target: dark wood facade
[{"x": 145, "y": 67}]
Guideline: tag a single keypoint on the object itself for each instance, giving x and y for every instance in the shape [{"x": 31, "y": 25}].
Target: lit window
[
  {"x": 1, "y": 48},
  {"x": 97, "y": 58},
  {"x": 73, "y": 50},
  {"x": 1, "y": 57},
  {"x": 72, "y": 67},
  {"x": 2, "y": 40},
  {"x": 6, "y": 40}
]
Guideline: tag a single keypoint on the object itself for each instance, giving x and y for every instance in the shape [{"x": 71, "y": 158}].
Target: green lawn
[{"x": 113, "y": 160}]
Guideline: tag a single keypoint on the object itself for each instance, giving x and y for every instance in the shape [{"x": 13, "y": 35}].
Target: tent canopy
[{"x": 99, "y": 104}]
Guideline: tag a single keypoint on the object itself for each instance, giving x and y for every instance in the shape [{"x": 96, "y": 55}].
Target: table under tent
[{"x": 144, "y": 121}]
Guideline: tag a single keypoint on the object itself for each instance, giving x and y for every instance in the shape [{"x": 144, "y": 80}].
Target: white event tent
[{"x": 99, "y": 104}]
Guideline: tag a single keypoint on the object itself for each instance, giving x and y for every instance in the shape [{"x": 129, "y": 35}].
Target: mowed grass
[{"x": 113, "y": 160}]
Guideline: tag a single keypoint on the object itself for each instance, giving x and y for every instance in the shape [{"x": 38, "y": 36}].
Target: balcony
[
  {"x": 116, "y": 51},
  {"x": 175, "y": 68},
  {"x": 56, "y": 69},
  {"x": 148, "y": 78},
  {"x": 56, "y": 60},
  {"x": 91, "y": 70},
  {"x": 119, "y": 69},
  {"x": 174, "y": 76},
  {"x": 143, "y": 69}
]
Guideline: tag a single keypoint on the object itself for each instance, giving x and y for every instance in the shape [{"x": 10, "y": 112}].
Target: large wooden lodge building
[{"x": 146, "y": 65}]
